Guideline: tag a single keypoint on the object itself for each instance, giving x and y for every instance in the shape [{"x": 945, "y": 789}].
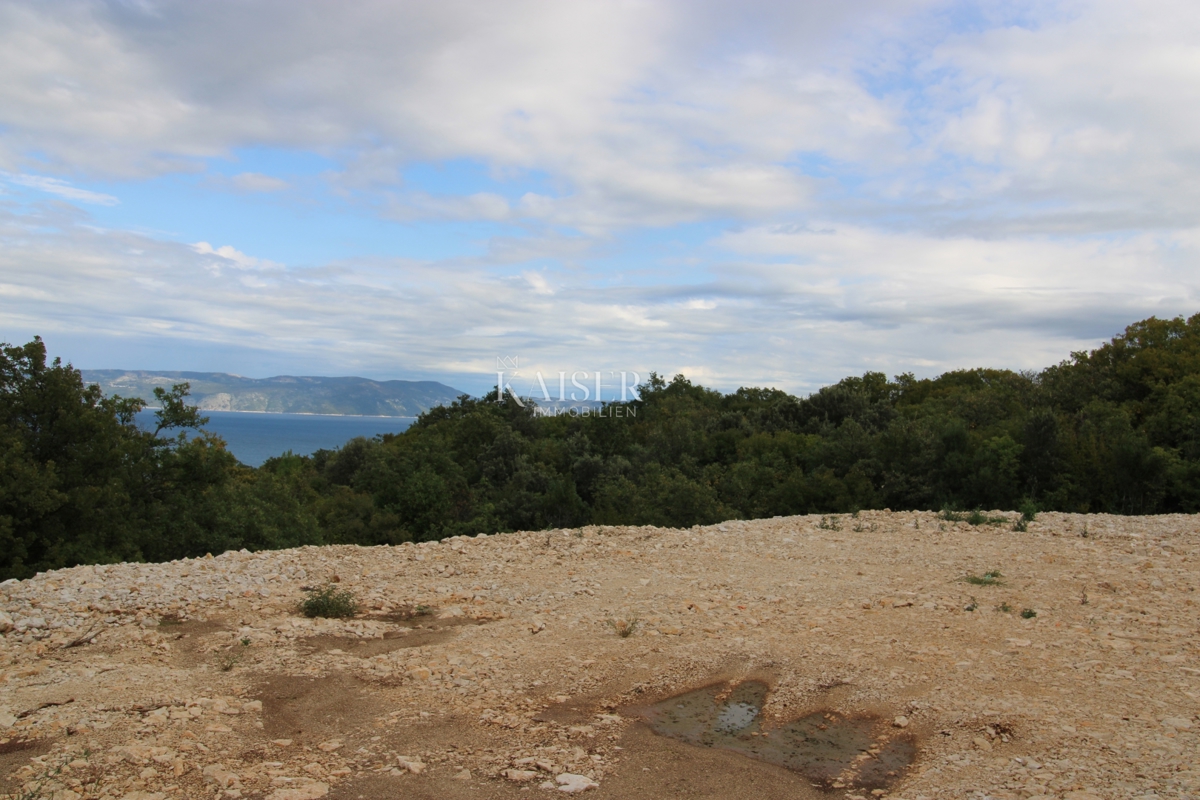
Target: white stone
[
  {"x": 569, "y": 782},
  {"x": 310, "y": 791},
  {"x": 519, "y": 775},
  {"x": 413, "y": 765},
  {"x": 216, "y": 773}
]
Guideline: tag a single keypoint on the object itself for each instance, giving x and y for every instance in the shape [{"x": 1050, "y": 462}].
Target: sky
[{"x": 748, "y": 193}]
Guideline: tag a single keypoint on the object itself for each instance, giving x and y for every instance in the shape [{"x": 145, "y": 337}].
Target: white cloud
[
  {"x": 478, "y": 206},
  {"x": 257, "y": 182},
  {"x": 790, "y": 308},
  {"x": 637, "y": 109},
  {"x": 1084, "y": 120},
  {"x": 1070, "y": 117},
  {"x": 538, "y": 283},
  {"x": 228, "y": 253},
  {"x": 61, "y": 188},
  {"x": 911, "y": 194}
]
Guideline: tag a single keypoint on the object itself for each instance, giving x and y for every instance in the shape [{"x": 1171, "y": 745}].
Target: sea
[{"x": 254, "y": 437}]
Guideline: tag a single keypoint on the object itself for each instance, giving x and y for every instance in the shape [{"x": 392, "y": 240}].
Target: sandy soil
[{"x": 491, "y": 666}]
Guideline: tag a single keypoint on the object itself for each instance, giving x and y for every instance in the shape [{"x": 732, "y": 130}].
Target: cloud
[
  {"x": 479, "y": 206},
  {"x": 61, "y": 188},
  {"x": 538, "y": 283},
  {"x": 230, "y": 254},
  {"x": 257, "y": 182},
  {"x": 638, "y": 109},
  {"x": 788, "y": 308},
  {"x": 1060, "y": 117},
  {"x": 900, "y": 185}
]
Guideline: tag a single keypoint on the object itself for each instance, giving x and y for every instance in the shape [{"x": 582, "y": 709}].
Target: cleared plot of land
[{"x": 494, "y": 666}]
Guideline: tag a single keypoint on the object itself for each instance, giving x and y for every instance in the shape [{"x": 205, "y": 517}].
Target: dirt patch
[
  {"x": 1097, "y": 693},
  {"x": 420, "y": 787},
  {"x": 458, "y": 740},
  {"x": 188, "y": 639},
  {"x": 407, "y": 615},
  {"x": 657, "y": 767},
  {"x": 314, "y": 709},
  {"x": 577, "y": 711},
  {"x": 14, "y": 754},
  {"x": 365, "y": 648},
  {"x": 421, "y": 631}
]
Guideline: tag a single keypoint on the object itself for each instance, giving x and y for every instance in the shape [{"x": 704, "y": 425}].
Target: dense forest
[{"x": 1114, "y": 430}]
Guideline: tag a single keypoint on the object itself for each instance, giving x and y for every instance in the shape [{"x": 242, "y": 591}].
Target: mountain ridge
[{"x": 295, "y": 394}]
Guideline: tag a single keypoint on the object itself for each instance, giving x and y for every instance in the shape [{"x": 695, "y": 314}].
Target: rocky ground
[{"x": 493, "y": 666}]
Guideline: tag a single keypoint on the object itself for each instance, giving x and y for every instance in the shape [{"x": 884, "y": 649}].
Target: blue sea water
[{"x": 254, "y": 438}]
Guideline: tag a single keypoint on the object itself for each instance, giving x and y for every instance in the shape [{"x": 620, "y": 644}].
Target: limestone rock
[
  {"x": 309, "y": 791},
  {"x": 519, "y": 775},
  {"x": 222, "y": 777},
  {"x": 413, "y": 765},
  {"x": 570, "y": 782}
]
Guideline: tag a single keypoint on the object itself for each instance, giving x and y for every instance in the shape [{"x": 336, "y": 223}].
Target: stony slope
[{"x": 490, "y": 666}]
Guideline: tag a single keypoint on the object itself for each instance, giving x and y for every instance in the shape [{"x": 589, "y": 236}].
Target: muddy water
[{"x": 829, "y": 749}]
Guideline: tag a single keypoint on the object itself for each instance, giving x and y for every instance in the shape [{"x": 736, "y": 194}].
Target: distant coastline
[
  {"x": 282, "y": 394},
  {"x": 291, "y": 413}
]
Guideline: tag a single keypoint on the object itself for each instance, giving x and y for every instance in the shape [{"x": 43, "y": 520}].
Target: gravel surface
[{"x": 493, "y": 666}]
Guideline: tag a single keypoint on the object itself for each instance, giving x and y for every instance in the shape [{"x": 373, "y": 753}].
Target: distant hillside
[{"x": 218, "y": 391}]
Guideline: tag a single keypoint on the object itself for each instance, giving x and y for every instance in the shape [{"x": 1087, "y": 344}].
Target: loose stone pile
[{"x": 519, "y": 662}]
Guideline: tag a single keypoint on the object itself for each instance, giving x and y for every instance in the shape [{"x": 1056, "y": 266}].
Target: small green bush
[
  {"x": 990, "y": 578},
  {"x": 625, "y": 627},
  {"x": 1029, "y": 510},
  {"x": 975, "y": 517},
  {"x": 1028, "y": 613},
  {"x": 233, "y": 656},
  {"x": 329, "y": 601}
]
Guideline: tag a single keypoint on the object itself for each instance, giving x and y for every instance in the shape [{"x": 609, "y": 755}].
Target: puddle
[{"x": 831, "y": 750}]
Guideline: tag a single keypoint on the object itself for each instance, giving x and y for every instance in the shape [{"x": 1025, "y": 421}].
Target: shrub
[
  {"x": 329, "y": 601},
  {"x": 624, "y": 627},
  {"x": 975, "y": 517}
]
